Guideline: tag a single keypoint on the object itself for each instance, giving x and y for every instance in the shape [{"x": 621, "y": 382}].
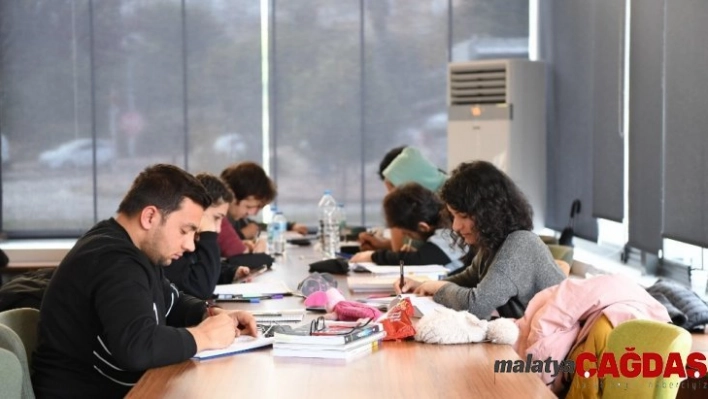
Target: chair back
[
  {"x": 11, "y": 372},
  {"x": 10, "y": 342},
  {"x": 23, "y": 322},
  {"x": 561, "y": 252},
  {"x": 646, "y": 336},
  {"x": 18, "y": 334}
]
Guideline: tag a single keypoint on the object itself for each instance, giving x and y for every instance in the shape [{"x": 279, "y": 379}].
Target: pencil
[{"x": 402, "y": 278}]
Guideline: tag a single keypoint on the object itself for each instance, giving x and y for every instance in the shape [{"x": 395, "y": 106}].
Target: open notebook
[
  {"x": 379, "y": 284},
  {"x": 241, "y": 344},
  {"x": 396, "y": 270},
  {"x": 422, "y": 305}
]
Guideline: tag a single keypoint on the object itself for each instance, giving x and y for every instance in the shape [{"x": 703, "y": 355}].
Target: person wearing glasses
[
  {"x": 109, "y": 313},
  {"x": 492, "y": 218}
]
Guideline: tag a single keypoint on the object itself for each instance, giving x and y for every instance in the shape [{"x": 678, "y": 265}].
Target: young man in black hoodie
[{"x": 109, "y": 313}]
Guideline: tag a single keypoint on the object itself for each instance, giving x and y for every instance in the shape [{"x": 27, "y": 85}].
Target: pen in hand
[{"x": 403, "y": 281}]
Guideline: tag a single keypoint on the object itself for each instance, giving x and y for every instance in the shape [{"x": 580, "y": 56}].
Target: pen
[
  {"x": 402, "y": 278},
  {"x": 381, "y": 296}
]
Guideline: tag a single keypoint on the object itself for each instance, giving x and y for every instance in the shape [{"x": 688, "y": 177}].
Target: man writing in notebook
[{"x": 109, "y": 314}]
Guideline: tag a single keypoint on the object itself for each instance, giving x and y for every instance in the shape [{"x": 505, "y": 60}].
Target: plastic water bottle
[
  {"x": 342, "y": 215},
  {"x": 272, "y": 231},
  {"x": 281, "y": 225},
  {"x": 328, "y": 230}
]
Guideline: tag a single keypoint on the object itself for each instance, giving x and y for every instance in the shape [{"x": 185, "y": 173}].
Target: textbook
[
  {"x": 333, "y": 334},
  {"x": 350, "y": 351},
  {"x": 241, "y": 343}
]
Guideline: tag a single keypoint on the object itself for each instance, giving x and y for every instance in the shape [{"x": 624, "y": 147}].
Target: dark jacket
[
  {"x": 108, "y": 315},
  {"x": 196, "y": 273},
  {"x": 436, "y": 250},
  {"x": 25, "y": 290},
  {"x": 686, "y": 309}
]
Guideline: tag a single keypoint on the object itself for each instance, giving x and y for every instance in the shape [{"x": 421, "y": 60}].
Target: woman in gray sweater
[{"x": 493, "y": 219}]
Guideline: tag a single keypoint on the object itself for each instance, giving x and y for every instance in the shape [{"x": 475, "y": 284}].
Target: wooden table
[{"x": 399, "y": 370}]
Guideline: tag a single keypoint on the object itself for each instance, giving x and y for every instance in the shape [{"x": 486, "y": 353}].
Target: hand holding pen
[{"x": 402, "y": 283}]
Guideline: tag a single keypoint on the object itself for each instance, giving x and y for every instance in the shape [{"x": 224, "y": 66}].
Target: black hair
[
  {"x": 247, "y": 179},
  {"x": 410, "y": 204},
  {"x": 165, "y": 187},
  {"x": 491, "y": 199},
  {"x": 388, "y": 158},
  {"x": 216, "y": 188}
]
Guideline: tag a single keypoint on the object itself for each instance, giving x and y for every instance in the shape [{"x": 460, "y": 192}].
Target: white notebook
[
  {"x": 241, "y": 343},
  {"x": 253, "y": 290},
  {"x": 391, "y": 270},
  {"x": 374, "y": 283}
]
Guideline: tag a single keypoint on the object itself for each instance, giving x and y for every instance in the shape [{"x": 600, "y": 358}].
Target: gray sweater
[{"x": 522, "y": 267}]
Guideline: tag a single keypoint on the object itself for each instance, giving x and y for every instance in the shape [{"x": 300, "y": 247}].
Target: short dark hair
[
  {"x": 249, "y": 179},
  {"x": 495, "y": 204},
  {"x": 388, "y": 158},
  {"x": 217, "y": 190},
  {"x": 410, "y": 204},
  {"x": 165, "y": 187}
]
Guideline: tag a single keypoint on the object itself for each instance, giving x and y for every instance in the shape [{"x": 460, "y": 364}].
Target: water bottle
[
  {"x": 328, "y": 230},
  {"x": 281, "y": 225},
  {"x": 271, "y": 230},
  {"x": 342, "y": 215}
]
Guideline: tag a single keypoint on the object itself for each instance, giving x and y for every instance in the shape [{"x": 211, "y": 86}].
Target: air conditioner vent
[{"x": 477, "y": 84}]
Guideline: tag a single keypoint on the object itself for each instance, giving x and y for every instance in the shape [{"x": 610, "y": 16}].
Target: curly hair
[
  {"x": 410, "y": 204},
  {"x": 492, "y": 200},
  {"x": 217, "y": 189}
]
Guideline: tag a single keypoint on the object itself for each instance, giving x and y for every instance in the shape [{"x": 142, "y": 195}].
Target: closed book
[
  {"x": 363, "y": 348},
  {"x": 325, "y": 347},
  {"x": 328, "y": 336}
]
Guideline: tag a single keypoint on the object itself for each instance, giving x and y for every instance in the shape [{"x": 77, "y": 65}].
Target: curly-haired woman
[{"x": 492, "y": 218}]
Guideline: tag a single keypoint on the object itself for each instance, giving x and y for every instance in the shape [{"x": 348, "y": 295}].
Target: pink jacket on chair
[{"x": 559, "y": 317}]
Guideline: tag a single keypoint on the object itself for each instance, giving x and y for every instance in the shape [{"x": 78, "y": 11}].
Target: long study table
[{"x": 405, "y": 369}]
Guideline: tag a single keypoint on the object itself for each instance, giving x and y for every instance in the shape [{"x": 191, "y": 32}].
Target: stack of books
[{"x": 335, "y": 340}]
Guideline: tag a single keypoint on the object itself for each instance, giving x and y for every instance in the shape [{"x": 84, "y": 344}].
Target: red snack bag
[{"x": 397, "y": 323}]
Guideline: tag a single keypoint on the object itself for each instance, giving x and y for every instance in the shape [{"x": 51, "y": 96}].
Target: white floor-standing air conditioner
[{"x": 497, "y": 113}]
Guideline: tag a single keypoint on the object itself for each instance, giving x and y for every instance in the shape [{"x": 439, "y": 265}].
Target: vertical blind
[
  {"x": 646, "y": 62},
  {"x": 94, "y": 91},
  {"x": 607, "y": 134},
  {"x": 567, "y": 46},
  {"x": 685, "y": 137}
]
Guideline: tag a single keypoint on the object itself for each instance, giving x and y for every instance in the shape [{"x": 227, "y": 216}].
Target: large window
[{"x": 92, "y": 91}]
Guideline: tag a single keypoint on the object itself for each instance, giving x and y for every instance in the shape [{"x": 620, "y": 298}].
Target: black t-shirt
[{"x": 108, "y": 315}]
